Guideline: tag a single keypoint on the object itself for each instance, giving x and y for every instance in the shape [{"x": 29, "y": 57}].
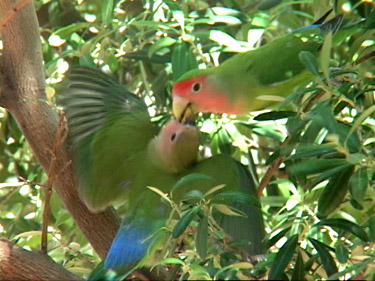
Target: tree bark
[
  {"x": 19, "y": 264},
  {"x": 23, "y": 95}
]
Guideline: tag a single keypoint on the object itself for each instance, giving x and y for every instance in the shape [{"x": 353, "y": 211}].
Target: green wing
[
  {"x": 225, "y": 170},
  {"x": 273, "y": 69},
  {"x": 109, "y": 129}
]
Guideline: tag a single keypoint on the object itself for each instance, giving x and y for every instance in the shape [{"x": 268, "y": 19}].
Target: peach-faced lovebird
[
  {"x": 252, "y": 80},
  {"x": 114, "y": 139},
  {"x": 118, "y": 153}
]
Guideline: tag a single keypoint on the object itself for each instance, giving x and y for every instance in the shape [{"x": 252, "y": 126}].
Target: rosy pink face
[
  {"x": 177, "y": 146},
  {"x": 202, "y": 95}
]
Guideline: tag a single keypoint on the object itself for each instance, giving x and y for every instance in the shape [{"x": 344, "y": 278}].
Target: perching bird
[
  {"x": 252, "y": 80},
  {"x": 118, "y": 153}
]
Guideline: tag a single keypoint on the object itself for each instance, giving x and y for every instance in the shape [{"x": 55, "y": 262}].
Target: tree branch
[
  {"x": 19, "y": 264},
  {"x": 23, "y": 96}
]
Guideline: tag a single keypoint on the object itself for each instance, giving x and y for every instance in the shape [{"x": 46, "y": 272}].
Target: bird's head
[
  {"x": 200, "y": 90},
  {"x": 175, "y": 147}
]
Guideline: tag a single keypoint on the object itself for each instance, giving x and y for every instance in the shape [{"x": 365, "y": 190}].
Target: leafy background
[{"x": 319, "y": 206}]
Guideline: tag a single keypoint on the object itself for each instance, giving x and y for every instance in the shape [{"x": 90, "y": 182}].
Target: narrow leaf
[
  {"x": 358, "y": 184},
  {"x": 308, "y": 59},
  {"x": 236, "y": 196},
  {"x": 190, "y": 178},
  {"x": 327, "y": 260},
  {"x": 226, "y": 210},
  {"x": 193, "y": 194},
  {"x": 272, "y": 241},
  {"x": 107, "y": 11},
  {"x": 325, "y": 55},
  {"x": 299, "y": 270},
  {"x": 163, "y": 43},
  {"x": 201, "y": 237},
  {"x": 214, "y": 189},
  {"x": 184, "y": 222},
  {"x": 346, "y": 226},
  {"x": 342, "y": 253},
  {"x": 283, "y": 258},
  {"x": 334, "y": 193},
  {"x": 371, "y": 224},
  {"x": 274, "y": 115},
  {"x": 183, "y": 60},
  {"x": 169, "y": 261},
  {"x": 315, "y": 166},
  {"x": 161, "y": 193}
]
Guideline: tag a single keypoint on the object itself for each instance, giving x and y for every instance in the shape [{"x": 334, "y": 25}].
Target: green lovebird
[
  {"x": 252, "y": 80},
  {"x": 118, "y": 153}
]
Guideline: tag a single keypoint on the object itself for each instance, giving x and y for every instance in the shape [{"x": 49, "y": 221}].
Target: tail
[{"x": 331, "y": 25}]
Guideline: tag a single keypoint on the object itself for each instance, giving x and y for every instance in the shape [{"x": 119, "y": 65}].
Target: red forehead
[
  {"x": 183, "y": 88},
  {"x": 209, "y": 99}
]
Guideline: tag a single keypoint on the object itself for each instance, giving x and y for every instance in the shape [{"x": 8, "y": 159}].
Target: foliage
[{"x": 319, "y": 207}]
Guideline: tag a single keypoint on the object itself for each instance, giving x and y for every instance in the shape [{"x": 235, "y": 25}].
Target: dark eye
[
  {"x": 173, "y": 137},
  {"x": 196, "y": 87}
]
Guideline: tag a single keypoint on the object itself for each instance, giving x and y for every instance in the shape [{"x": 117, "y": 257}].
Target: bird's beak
[{"x": 182, "y": 108}]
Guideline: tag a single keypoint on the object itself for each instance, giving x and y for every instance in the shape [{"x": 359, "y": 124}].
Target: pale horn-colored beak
[{"x": 182, "y": 108}]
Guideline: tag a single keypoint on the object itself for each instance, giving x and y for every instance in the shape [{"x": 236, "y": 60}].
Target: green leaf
[
  {"x": 201, "y": 238},
  {"x": 272, "y": 241},
  {"x": 176, "y": 12},
  {"x": 308, "y": 59},
  {"x": 143, "y": 56},
  {"x": 325, "y": 55},
  {"x": 354, "y": 270},
  {"x": 322, "y": 115},
  {"x": 299, "y": 270},
  {"x": 346, "y": 226},
  {"x": 328, "y": 262},
  {"x": 268, "y": 4},
  {"x": 193, "y": 194},
  {"x": 360, "y": 119},
  {"x": 107, "y": 11},
  {"x": 371, "y": 224},
  {"x": 199, "y": 272},
  {"x": 228, "y": 210},
  {"x": 237, "y": 196},
  {"x": 214, "y": 189},
  {"x": 274, "y": 201},
  {"x": 358, "y": 184},
  {"x": 225, "y": 39},
  {"x": 156, "y": 25},
  {"x": 190, "y": 178},
  {"x": 311, "y": 150},
  {"x": 330, "y": 173},
  {"x": 185, "y": 220},
  {"x": 183, "y": 60},
  {"x": 335, "y": 191},
  {"x": 315, "y": 166},
  {"x": 274, "y": 115},
  {"x": 228, "y": 20},
  {"x": 169, "y": 261},
  {"x": 342, "y": 253},
  {"x": 221, "y": 11},
  {"x": 282, "y": 258},
  {"x": 160, "y": 44},
  {"x": 66, "y": 31}
]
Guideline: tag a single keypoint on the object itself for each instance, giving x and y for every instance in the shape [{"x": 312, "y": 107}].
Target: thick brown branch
[
  {"x": 23, "y": 95},
  {"x": 19, "y": 264}
]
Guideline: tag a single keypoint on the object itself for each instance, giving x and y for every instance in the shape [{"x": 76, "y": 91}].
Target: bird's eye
[
  {"x": 173, "y": 137},
  {"x": 196, "y": 87}
]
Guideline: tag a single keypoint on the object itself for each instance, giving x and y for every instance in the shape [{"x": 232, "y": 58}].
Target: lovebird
[
  {"x": 114, "y": 140},
  {"x": 254, "y": 79},
  {"x": 119, "y": 152}
]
